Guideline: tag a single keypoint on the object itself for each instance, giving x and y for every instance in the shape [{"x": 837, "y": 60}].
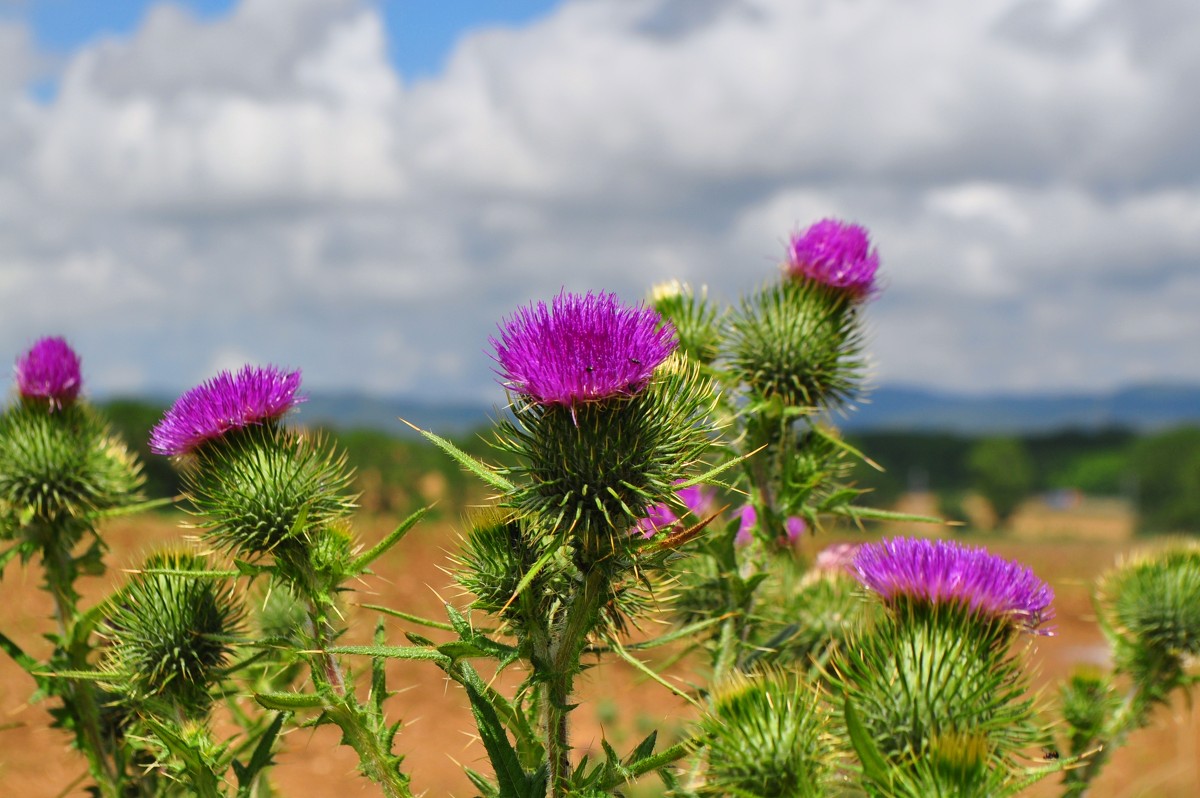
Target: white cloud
[{"x": 265, "y": 184}]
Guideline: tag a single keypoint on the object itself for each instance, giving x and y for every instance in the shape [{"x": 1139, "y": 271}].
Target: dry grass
[{"x": 34, "y": 762}]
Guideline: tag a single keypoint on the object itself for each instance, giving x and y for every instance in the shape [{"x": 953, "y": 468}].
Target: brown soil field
[{"x": 617, "y": 702}]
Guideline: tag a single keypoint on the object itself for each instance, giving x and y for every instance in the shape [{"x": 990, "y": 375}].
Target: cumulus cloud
[{"x": 266, "y": 184}]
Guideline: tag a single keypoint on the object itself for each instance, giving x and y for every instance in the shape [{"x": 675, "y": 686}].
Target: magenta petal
[
  {"x": 836, "y": 254},
  {"x": 940, "y": 571},
  {"x": 226, "y": 402},
  {"x": 50, "y": 370},
  {"x": 581, "y": 349}
]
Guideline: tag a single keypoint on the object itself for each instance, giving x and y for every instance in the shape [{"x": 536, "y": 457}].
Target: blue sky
[
  {"x": 420, "y": 32},
  {"x": 364, "y": 188}
]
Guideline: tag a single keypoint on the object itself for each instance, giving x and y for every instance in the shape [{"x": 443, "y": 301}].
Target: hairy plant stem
[
  {"x": 323, "y": 634},
  {"x": 1079, "y": 779},
  {"x": 374, "y": 756},
  {"x": 78, "y": 696},
  {"x": 565, "y": 644}
]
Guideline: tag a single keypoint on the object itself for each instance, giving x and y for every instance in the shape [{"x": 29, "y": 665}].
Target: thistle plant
[
  {"x": 278, "y": 502},
  {"x": 935, "y": 697},
  {"x": 1149, "y": 610},
  {"x": 607, "y": 422},
  {"x": 62, "y": 472},
  {"x": 670, "y": 455}
]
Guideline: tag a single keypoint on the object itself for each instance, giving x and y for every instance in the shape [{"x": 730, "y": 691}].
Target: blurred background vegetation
[{"x": 1156, "y": 473}]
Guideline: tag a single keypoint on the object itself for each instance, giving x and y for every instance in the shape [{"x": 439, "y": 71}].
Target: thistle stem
[
  {"x": 375, "y": 758},
  {"x": 1079, "y": 779},
  {"x": 566, "y": 643},
  {"x": 80, "y": 697}
]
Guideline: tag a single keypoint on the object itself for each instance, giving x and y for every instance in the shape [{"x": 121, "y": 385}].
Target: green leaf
[
  {"x": 616, "y": 646},
  {"x": 643, "y": 750},
  {"x": 853, "y": 511},
  {"x": 873, "y": 763},
  {"x": 389, "y": 652},
  {"x": 131, "y": 509},
  {"x": 707, "y": 476},
  {"x": 18, "y": 655},
  {"x": 678, "y": 634},
  {"x": 512, "y": 779},
  {"x": 404, "y": 616},
  {"x": 466, "y": 461},
  {"x": 260, "y": 759},
  {"x": 360, "y": 564},
  {"x": 289, "y": 702},
  {"x": 533, "y": 571},
  {"x": 9, "y": 553},
  {"x": 203, "y": 782},
  {"x": 487, "y": 789}
]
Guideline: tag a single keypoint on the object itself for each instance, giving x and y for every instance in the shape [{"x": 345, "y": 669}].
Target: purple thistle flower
[
  {"x": 795, "y": 527},
  {"x": 836, "y": 557},
  {"x": 658, "y": 518},
  {"x": 226, "y": 402},
  {"x": 49, "y": 370},
  {"x": 697, "y": 499},
  {"x": 749, "y": 520},
  {"x": 835, "y": 254},
  {"x": 581, "y": 349},
  {"x": 942, "y": 572}
]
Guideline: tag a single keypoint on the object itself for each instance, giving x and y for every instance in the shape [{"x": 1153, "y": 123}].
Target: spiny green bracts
[
  {"x": 1150, "y": 610},
  {"x": 697, "y": 324},
  {"x": 59, "y": 469},
  {"x": 799, "y": 342},
  {"x": 597, "y": 468},
  {"x": 267, "y": 489},
  {"x": 766, "y": 736},
  {"x": 170, "y": 632},
  {"x": 925, "y": 674}
]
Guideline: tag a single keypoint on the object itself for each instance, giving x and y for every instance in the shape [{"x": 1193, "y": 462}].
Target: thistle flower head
[
  {"x": 835, "y": 254},
  {"x": 944, "y": 572},
  {"x": 748, "y": 520},
  {"x": 698, "y": 500},
  {"x": 581, "y": 349},
  {"x": 836, "y": 558},
  {"x": 226, "y": 402},
  {"x": 50, "y": 371},
  {"x": 170, "y": 628}
]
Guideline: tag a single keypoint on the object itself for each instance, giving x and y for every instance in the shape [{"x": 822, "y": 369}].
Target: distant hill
[
  {"x": 889, "y": 407},
  {"x": 351, "y": 410},
  {"x": 1138, "y": 407}
]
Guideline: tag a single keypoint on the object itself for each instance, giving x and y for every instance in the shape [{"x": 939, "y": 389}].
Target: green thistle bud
[
  {"x": 496, "y": 554},
  {"x": 59, "y": 469},
  {"x": 696, "y": 322},
  {"x": 799, "y": 342},
  {"x": 1088, "y": 702},
  {"x": 1150, "y": 608},
  {"x": 264, "y": 489},
  {"x": 170, "y": 632},
  {"x": 766, "y": 737}
]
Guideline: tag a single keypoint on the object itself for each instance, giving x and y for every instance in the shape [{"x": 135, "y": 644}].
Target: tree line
[{"x": 1159, "y": 472}]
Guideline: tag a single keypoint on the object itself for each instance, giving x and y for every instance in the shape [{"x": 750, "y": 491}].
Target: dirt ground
[{"x": 1163, "y": 761}]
